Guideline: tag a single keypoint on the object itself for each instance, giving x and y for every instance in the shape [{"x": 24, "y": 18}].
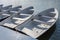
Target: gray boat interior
[
  {"x": 15, "y": 8},
  {"x": 5, "y": 12},
  {"x": 1, "y": 6},
  {"x": 39, "y": 23},
  {"x": 6, "y": 7},
  {"x": 23, "y": 15},
  {"x": 2, "y": 13},
  {"x": 18, "y": 18}
]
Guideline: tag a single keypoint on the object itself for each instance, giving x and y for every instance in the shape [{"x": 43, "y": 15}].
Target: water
[{"x": 39, "y": 5}]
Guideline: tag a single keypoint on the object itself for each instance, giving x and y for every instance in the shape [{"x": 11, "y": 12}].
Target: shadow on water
[{"x": 48, "y": 33}]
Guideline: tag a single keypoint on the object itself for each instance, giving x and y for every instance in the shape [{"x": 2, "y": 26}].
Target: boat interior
[
  {"x": 2, "y": 13},
  {"x": 40, "y": 23},
  {"x": 6, "y": 11},
  {"x": 18, "y": 19},
  {"x": 15, "y": 8}
]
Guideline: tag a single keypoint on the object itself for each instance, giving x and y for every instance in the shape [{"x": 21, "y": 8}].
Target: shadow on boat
[{"x": 48, "y": 33}]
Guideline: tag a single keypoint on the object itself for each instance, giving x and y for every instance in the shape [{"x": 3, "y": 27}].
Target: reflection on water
[{"x": 48, "y": 33}]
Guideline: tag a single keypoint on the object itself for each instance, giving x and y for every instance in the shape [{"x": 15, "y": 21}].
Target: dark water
[{"x": 40, "y": 5}]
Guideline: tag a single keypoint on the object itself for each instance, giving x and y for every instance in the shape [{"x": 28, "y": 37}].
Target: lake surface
[{"x": 39, "y": 5}]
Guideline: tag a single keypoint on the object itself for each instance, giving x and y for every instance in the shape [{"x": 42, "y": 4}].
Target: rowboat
[
  {"x": 18, "y": 18},
  {"x": 5, "y": 12},
  {"x": 40, "y": 23}
]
